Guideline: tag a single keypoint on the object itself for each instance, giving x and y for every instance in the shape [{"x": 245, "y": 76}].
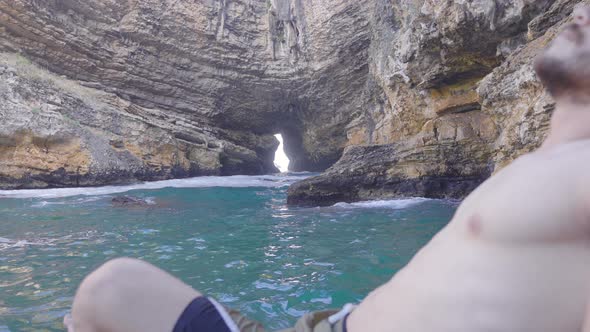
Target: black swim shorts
[{"x": 205, "y": 314}]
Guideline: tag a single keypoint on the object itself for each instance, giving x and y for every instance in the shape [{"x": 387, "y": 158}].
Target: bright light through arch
[{"x": 281, "y": 160}]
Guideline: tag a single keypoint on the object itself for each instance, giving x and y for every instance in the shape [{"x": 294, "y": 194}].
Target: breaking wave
[
  {"x": 383, "y": 204},
  {"x": 236, "y": 181}
]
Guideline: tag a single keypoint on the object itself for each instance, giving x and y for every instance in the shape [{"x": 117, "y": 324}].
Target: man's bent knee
[
  {"x": 127, "y": 294},
  {"x": 102, "y": 291},
  {"x": 109, "y": 277}
]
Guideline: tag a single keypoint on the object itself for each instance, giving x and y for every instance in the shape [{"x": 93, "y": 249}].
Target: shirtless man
[{"x": 515, "y": 257}]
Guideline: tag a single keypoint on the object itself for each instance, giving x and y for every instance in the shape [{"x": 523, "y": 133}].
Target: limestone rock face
[
  {"x": 153, "y": 89},
  {"x": 455, "y": 99},
  {"x": 55, "y": 132},
  {"x": 400, "y": 98}
]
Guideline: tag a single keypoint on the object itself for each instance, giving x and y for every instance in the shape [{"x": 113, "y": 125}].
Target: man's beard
[{"x": 564, "y": 76}]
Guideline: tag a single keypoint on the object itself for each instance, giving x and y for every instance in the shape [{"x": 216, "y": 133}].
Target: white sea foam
[
  {"x": 148, "y": 231},
  {"x": 196, "y": 239},
  {"x": 237, "y": 264},
  {"x": 395, "y": 204},
  {"x": 227, "y": 298},
  {"x": 67, "y": 202},
  {"x": 236, "y": 181},
  {"x": 74, "y": 239},
  {"x": 9, "y": 244},
  {"x": 324, "y": 300}
]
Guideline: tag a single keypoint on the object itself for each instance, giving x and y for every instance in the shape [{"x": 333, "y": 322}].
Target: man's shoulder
[
  {"x": 566, "y": 165},
  {"x": 563, "y": 153}
]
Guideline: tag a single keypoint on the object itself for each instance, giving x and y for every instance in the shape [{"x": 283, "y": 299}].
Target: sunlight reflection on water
[{"x": 242, "y": 245}]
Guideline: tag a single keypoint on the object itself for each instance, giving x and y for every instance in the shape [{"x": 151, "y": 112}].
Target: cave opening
[{"x": 281, "y": 160}]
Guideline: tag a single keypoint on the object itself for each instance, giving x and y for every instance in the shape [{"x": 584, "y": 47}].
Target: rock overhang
[{"x": 200, "y": 87}]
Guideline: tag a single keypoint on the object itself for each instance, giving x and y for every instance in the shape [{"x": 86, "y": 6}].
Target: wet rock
[
  {"x": 390, "y": 171},
  {"x": 129, "y": 201},
  {"x": 455, "y": 99}
]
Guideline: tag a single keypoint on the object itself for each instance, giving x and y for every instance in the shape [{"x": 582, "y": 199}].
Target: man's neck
[{"x": 570, "y": 122}]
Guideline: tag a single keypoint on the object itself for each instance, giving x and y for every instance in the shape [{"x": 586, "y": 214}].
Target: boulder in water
[{"x": 129, "y": 201}]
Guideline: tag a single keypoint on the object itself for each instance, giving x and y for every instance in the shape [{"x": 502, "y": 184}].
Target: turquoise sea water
[{"x": 232, "y": 238}]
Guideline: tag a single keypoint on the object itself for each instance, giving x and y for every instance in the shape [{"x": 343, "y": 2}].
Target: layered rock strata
[
  {"x": 155, "y": 89},
  {"x": 55, "y": 132},
  {"x": 455, "y": 99},
  {"x": 407, "y": 98}
]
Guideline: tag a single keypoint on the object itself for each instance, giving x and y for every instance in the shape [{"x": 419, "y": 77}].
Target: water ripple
[{"x": 243, "y": 246}]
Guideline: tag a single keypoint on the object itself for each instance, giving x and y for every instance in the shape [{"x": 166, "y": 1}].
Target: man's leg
[{"x": 129, "y": 295}]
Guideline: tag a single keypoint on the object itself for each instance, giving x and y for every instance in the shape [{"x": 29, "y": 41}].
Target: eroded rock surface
[
  {"x": 153, "y": 89},
  {"x": 55, "y": 132},
  {"x": 419, "y": 98},
  {"x": 129, "y": 201},
  {"x": 455, "y": 99}
]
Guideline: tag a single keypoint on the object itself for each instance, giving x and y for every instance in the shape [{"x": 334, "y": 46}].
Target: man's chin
[{"x": 554, "y": 73}]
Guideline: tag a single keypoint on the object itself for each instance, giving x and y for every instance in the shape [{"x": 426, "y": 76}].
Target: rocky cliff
[
  {"x": 423, "y": 97},
  {"x": 455, "y": 99},
  {"x": 97, "y": 92}
]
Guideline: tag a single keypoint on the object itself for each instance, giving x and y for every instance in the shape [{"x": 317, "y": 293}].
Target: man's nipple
[{"x": 474, "y": 225}]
